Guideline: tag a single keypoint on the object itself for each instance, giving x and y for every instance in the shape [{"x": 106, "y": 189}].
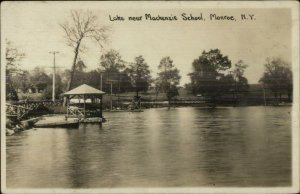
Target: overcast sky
[{"x": 34, "y": 29}]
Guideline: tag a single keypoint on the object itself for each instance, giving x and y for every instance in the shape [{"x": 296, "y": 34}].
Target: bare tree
[
  {"x": 13, "y": 57},
  {"x": 83, "y": 24}
]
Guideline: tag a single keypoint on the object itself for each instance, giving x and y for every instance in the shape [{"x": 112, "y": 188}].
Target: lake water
[{"x": 241, "y": 146}]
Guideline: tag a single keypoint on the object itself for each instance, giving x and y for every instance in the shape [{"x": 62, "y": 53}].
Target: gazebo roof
[{"x": 84, "y": 89}]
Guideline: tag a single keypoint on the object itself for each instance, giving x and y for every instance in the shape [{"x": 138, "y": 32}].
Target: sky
[{"x": 33, "y": 27}]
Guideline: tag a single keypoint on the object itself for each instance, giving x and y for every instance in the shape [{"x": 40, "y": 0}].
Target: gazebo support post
[{"x": 84, "y": 105}]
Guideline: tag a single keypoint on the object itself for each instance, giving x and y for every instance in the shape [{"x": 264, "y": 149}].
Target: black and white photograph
[{"x": 149, "y": 97}]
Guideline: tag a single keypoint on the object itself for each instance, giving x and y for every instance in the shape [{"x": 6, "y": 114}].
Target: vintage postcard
[{"x": 150, "y": 97}]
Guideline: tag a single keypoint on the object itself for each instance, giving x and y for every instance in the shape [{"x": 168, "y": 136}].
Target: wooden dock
[
  {"x": 60, "y": 121},
  {"x": 57, "y": 121}
]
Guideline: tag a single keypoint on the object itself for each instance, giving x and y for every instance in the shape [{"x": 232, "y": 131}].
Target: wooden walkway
[{"x": 21, "y": 109}]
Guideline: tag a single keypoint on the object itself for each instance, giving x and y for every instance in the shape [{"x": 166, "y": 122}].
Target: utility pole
[
  {"x": 53, "y": 86},
  {"x": 101, "y": 80},
  {"x": 111, "y": 87},
  {"x": 265, "y": 102},
  {"x": 110, "y": 95}
]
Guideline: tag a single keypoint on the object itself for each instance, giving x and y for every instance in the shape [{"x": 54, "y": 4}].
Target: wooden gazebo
[{"x": 84, "y": 102}]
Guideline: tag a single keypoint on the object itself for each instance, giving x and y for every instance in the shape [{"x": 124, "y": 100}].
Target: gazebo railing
[{"x": 75, "y": 111}]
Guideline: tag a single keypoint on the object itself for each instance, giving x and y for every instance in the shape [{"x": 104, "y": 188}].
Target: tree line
[
  {"x": 126, "y": 77},
  {"x": 213, "y": 74},
  {"x": 214, "y": 77}
]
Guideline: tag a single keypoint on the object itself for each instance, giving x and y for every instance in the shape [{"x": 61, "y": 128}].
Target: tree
[
  {"x": 83, "y": 25},
  {"x": 22, "y": 81},
  {"x": 112, "y": 60},
  {"x": 208, "y": 70},
  {"x": 124, "y": 82},
  {"x": 241, "y": 82},
  {"x": 140, "y": 75},
  {"x": 168, "y": 78},
  {"x": 278, "y": 77},
  {"x": 80, "y": 66},
  {"x": 188, "y": 88},
  {"x": 13, "y": 57},
  {"x": 80, "y": 74},
  {"x": 92, "y": 78},
  {"x": 112, "y": 67},
  {"x": 65, "y": 75},
  {"x": 226, "y": 84},
  {"x": 40, "y": 80},
  {"x": 239, "y": 69}
]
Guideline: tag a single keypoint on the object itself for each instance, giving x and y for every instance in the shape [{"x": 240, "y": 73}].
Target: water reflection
[{"x": 245, "y": 146}]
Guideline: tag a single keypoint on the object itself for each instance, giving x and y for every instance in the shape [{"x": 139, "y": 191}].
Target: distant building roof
[{"x": 84, "y": 89}]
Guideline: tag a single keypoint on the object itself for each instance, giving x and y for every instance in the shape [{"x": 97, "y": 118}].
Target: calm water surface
[{"x": 242, "y": 146}]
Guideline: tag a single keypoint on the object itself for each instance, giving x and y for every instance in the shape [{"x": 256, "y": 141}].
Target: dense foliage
[
  {"x": 207, "y": 78},
  {"x": 13, "y": 57},
  {"x": 168, "y": 78},
  {"x": 140, "y": 75},
  {"x": 278, "y": 78},
  {"x": 212, "y": 78}
]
